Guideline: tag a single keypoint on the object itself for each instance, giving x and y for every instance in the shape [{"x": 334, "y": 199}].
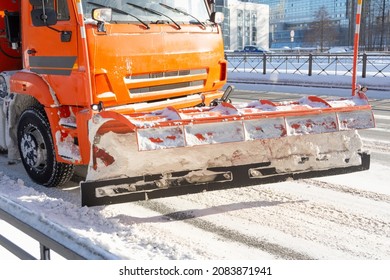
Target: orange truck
[{"x": 133, "y": 91}]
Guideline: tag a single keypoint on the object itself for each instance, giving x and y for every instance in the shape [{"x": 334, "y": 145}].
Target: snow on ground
[
  {"x": 340, "y": 217},
  {"x": 309, "y": 219}
]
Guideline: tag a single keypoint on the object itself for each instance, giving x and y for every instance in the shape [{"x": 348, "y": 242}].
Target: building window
[{"x": 254, "y": 35}]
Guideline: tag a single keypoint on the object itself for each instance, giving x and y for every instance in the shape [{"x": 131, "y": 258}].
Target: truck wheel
[{"x": 37, "y": 150}]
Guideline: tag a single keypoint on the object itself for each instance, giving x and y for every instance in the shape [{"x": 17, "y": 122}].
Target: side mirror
[
  {"x": 12, "y": 26},
  {"x": 43, "y": 17},
  {"x": 102, "y": 15},
  {"x": 217, "y": 17}
]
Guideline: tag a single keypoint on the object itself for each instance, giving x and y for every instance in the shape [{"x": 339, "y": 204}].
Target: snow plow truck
[{"x": 134, "y": 91}]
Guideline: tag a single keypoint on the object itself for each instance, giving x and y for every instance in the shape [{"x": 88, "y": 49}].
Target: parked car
[
  {"x": 339, "y": 50},
  {"x": 254, "y": 49}
]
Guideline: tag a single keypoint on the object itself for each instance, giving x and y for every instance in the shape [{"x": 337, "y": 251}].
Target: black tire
[{"x": 37, "y": 150}]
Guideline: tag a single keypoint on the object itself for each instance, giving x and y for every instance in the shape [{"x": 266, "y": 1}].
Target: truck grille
[{"x": 182, "y": 80}]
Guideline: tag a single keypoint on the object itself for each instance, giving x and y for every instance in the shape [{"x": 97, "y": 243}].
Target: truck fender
[{"x": 32, "y": 84}]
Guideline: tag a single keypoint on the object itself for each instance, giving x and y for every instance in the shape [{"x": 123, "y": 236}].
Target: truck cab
[{"x": 62, "y": 61}]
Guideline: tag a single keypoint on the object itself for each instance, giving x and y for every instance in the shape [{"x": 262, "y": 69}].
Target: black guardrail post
[
  {"x": 364, "y": 66},
  {"x": 310, "y": 64},
  {"x": 44, "y": 241},
  {"x": 45, "y": 252}
]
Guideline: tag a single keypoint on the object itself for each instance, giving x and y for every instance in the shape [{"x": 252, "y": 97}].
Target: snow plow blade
[{"x": 174, "y": 152}]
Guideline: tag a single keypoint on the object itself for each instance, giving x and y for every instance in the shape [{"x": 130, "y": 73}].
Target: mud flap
[{"x": 114, "y": 191}]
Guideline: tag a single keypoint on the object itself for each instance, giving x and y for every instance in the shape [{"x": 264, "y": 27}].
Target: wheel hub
[{"x": 33, "y": 149}]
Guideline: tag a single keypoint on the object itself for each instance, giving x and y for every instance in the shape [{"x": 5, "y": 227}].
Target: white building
[{"x": 245, "y": 24}]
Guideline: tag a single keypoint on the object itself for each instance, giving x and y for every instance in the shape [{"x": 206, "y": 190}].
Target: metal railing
[
  {"x": 49, "y": 235},
  {"x": 369, "y": 65},
  {"x": 45, "y": 242}
]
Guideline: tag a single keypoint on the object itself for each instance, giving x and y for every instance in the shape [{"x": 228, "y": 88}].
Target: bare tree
[
  {"x": 374, "y": 33},
  {"x": 381, "y": 23},
  {"x": 323, "y": 31},
  {"x": 351, "y": 11}
]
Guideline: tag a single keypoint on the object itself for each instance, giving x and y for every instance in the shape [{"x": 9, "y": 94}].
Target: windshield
[{"x": 151, "y": 11}]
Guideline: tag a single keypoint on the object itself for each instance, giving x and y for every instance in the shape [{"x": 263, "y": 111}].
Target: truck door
[{"x": 49, "y": 38}]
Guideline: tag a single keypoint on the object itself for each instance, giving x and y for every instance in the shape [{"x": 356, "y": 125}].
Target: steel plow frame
[{"x": 240, "y": 176}]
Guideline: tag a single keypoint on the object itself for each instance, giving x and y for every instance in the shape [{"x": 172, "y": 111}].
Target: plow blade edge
[{"x": 116, "y": 191}]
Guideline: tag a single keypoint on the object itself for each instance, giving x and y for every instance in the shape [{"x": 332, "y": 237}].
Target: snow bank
[{"x": 16, "y": 202}]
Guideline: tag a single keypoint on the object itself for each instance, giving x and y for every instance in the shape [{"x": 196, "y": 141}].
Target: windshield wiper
[
  {"x": 183, "y": 12},
  {"x": 154, "y": 12},
  {"x": 119, "y": 11}
]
